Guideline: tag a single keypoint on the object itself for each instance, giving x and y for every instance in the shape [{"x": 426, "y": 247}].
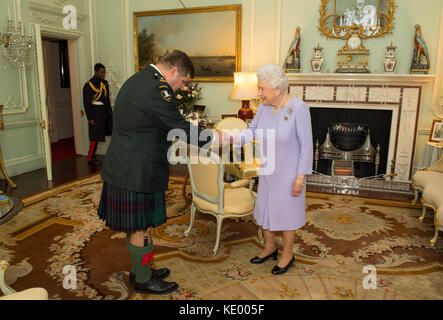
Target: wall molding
[
  {"x": 21, "y": 124},
  {"x": 24, "y": 164},
  {"x": 52, "y": 10}
]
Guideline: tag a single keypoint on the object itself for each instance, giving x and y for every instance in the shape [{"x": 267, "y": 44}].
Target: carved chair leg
[
  {"x": 260, "y": 235},
  {"x": 193, "y": 210},
  {"x": 423, "y": 215},
  {"x": 434, "y": 240},
  {"x": 414, "y": 201},
  {"x": 217, "y": 236}
]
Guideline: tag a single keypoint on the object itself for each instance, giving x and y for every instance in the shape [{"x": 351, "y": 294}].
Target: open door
[{"x": 43, "y": 108}]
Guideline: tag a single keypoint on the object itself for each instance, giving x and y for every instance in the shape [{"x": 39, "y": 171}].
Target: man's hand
[
  {"x": 218, "y": 137},
  {"x": 91, "y": 122}
]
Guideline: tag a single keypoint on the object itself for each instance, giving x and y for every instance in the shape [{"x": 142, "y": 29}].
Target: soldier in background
[{"x": 98, "y": 110}]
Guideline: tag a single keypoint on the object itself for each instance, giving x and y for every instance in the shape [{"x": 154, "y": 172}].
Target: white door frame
[{"x": 77, "y": 65}]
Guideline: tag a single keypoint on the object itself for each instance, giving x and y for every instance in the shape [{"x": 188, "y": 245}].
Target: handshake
[{"x": 223, "y": 138}]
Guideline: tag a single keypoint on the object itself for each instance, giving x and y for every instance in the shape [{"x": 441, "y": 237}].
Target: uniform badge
[{"x": 166, "y": 95}]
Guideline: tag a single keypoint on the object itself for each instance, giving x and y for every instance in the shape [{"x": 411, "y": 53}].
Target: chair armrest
[
  {"x": 251, "y": 184},
  {"x": 238, "y": 184}
]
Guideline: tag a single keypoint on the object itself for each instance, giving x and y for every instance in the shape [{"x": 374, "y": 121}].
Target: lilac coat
[{"x": 276, "y": 209}]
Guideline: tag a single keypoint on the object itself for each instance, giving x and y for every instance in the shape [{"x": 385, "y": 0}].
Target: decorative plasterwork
[
  {"x": 54, "y": 10},
  {"x": 114, "y": 84},
  {"x": 45, "y": 14},
  {"x": 401, "y": 94}
]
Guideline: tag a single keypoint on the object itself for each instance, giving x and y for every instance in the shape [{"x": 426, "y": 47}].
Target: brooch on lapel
[{"x": 287, "y": 117}]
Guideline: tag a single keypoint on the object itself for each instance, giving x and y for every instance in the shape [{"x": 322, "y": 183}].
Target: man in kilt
[
  {"x": 136, "y": 168},
  {"x": 98, "y": 110}
]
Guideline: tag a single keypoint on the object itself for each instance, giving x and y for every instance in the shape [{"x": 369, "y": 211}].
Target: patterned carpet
[{"x": 343, "y": 234}]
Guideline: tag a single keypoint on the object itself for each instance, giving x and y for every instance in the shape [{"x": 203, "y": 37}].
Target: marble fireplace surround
[{"x": 402, "y": 94}]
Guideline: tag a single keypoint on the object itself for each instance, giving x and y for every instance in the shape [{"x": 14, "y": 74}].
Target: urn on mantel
[
  {"x": 390, "y": 61},
  {"x": 317, "y": 61}
]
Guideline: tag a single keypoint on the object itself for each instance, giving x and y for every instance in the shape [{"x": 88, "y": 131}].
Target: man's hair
[
  {"x": 180, "y": 60},
  {"x": 98, "y": 66}
]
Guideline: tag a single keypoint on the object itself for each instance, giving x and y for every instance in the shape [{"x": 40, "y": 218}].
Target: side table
[{"x": 431, "y": 154}]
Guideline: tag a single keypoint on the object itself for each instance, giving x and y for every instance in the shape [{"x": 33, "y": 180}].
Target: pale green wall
[
  {"x": 21, "y": 141},
  {"x": 266, "y": 37},
  {"x": 261, "y": 44}
]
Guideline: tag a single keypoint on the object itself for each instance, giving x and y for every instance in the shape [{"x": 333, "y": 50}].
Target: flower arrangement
[
  {"x": 186, "y": 99},
  {"x": 186, "y": 105}
]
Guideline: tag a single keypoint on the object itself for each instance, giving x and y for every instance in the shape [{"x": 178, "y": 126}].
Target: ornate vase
[
  {"x": 317, "y": 61},
  {"x": 390, "y": 61}
]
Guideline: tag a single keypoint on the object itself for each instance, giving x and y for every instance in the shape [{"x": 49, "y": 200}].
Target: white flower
[{"x": 179, "y": 96}]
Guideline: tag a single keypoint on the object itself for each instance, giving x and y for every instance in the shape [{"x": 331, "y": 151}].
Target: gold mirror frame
[{"x": 387, "y": 14}]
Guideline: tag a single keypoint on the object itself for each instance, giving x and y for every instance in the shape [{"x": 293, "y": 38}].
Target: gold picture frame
[
  {"x": 436, "y": 131},
  {"x": 384, "y": 17},
  {"x": 211, "y": 36}
]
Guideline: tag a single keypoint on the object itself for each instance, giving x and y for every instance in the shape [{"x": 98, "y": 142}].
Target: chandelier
[{"x": 17, "y": 48}]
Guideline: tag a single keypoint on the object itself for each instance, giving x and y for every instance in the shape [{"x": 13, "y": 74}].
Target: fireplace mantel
[
  {"x": 400, "y": 93},
  {"x": 405, "y": 79}
]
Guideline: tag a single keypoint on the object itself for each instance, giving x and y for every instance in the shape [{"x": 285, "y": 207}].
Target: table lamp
[{"x": 245, "y": 88}]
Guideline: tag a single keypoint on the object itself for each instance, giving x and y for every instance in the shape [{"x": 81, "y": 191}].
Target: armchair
[
  {"x": 10, "y": 294},
  {"x": 210, "y": 194},
  {"x": 429, "y": 182}
]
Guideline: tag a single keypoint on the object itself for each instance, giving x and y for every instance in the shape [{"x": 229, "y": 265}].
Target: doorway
[{"x": 59, "y": 99}]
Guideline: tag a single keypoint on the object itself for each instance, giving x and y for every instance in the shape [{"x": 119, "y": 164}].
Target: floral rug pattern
[{"x": 342, "y": 235}]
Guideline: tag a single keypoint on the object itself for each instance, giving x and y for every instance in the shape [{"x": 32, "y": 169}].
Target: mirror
[{"x": 374, "y": 18}]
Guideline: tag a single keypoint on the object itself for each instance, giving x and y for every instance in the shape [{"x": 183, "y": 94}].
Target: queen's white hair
[{"x": 274, "y": 76}]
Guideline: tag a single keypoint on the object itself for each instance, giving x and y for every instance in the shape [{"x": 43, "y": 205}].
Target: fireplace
[
  {"x": 353, "y": 141},
  {"x": 399, "y": 95}
]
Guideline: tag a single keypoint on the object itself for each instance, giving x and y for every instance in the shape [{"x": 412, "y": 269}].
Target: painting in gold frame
[{"x": 211, "y": 36}]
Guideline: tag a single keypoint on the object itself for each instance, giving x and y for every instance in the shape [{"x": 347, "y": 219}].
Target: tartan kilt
[{"x": 130, "y": 211}]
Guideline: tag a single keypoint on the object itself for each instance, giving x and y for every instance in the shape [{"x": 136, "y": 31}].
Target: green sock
[
  {"x": 142, "y": 272},
  {"x": 127, "y": 243}
]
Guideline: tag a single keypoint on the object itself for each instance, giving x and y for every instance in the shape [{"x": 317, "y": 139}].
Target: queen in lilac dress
[{"x": 282, "y": 126}]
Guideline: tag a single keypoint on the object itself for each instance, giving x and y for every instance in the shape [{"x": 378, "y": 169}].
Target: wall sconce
[{"x": 245, "y": 88}]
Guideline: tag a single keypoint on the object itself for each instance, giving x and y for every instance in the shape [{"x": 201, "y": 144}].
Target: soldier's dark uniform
[
  {"x": 98, "y": 108},
  {"x": 136, "y": 168}
]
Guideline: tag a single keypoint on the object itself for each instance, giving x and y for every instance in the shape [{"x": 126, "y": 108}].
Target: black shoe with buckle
[
  {"x": 258, "y": 260},
  {"x": 277, "y": 270},
  {"x": 158, "y": 273},
  {"x": 155, "y": 286}
]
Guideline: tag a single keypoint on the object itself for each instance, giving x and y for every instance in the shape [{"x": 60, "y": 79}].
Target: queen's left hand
[{"x": 296, "y": 189}]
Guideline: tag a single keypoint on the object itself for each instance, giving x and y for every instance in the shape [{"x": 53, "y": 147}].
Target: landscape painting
[{"x": 210, "y": 36}]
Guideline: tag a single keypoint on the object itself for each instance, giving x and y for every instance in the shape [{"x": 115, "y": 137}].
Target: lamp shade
[{"x": 245, "y": 86}]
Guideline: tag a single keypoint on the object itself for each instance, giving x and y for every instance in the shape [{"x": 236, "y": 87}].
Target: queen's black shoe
[
  {"x": 278, "y": 270},
  {"x": 257, "y": 260}
]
